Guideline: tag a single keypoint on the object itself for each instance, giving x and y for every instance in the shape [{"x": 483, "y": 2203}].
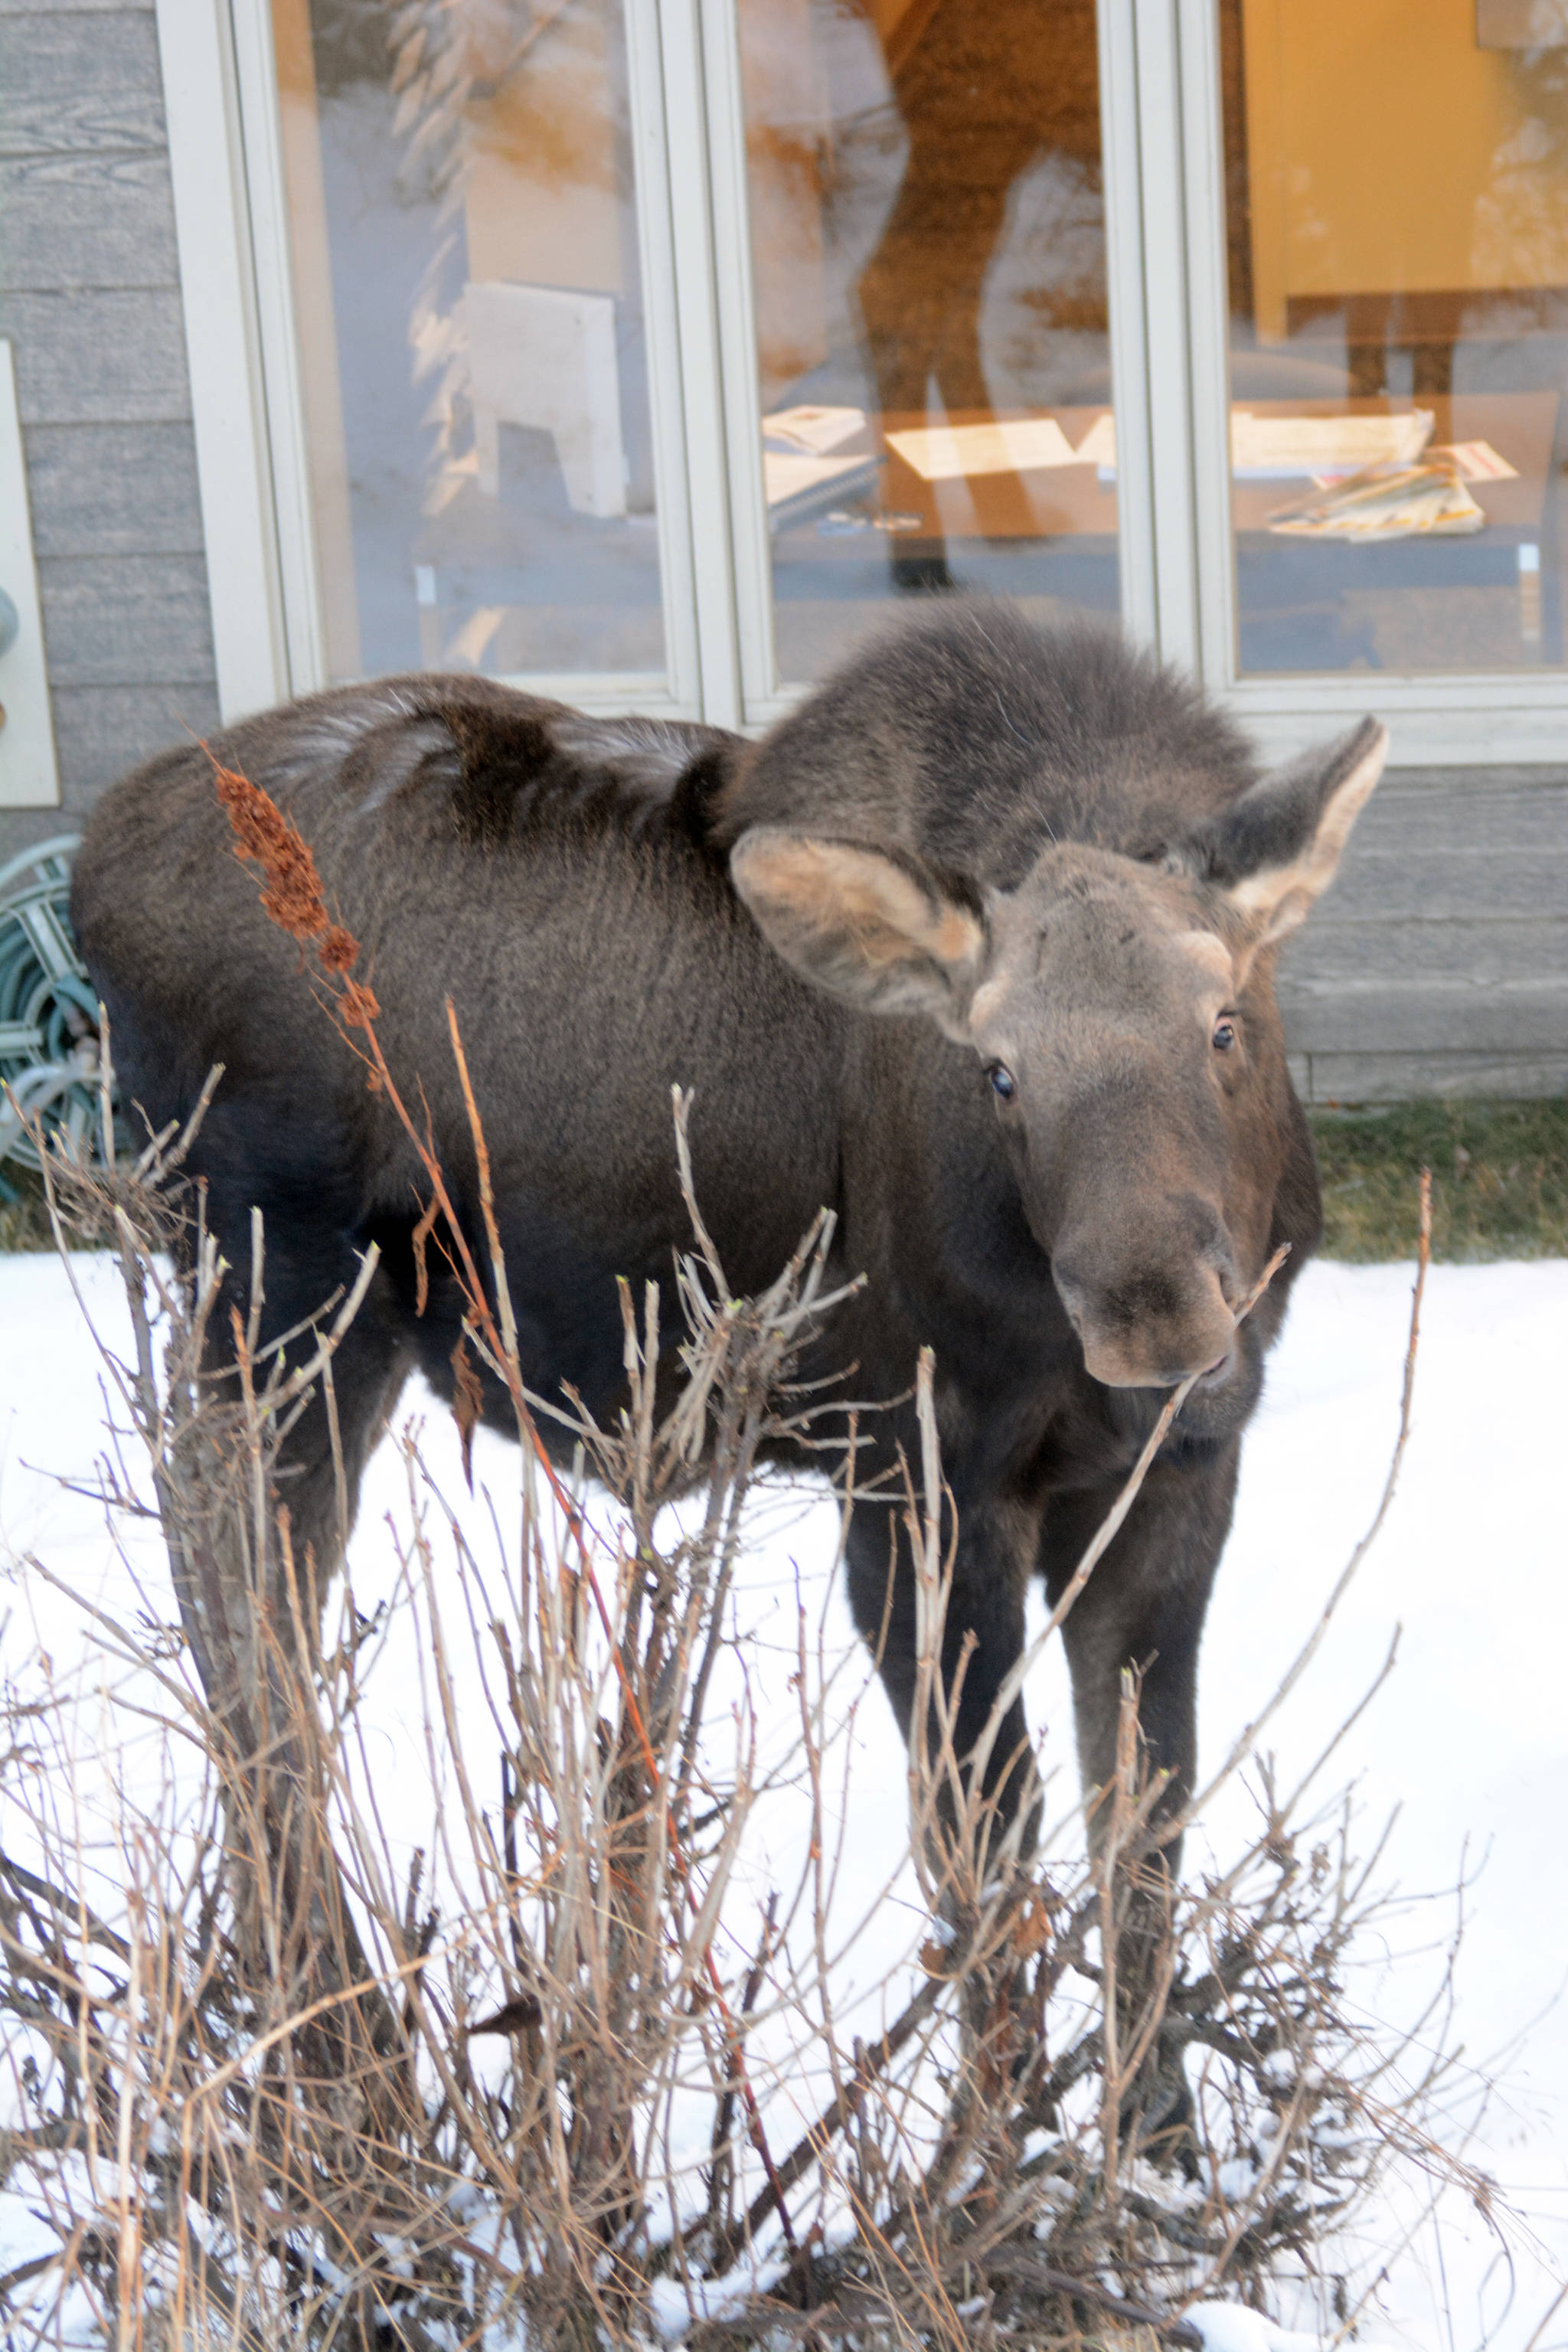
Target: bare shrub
[{"x": 281, "y": 2077}]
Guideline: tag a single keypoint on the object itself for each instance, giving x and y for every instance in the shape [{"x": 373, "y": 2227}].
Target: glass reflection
[
  {"x": 929, "y": 259},
  {"x": 1397, "y": 182},
  {"x": 470, "y": 312}
]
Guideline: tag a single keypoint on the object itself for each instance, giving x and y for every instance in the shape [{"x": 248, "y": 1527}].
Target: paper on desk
[
  {"x": 786, "y": 476},
  {"x": 1098, "y": 446},
  {"x": 1278, "y": 449},
  {"x": 812, "y": 432},
  {"x": 1478, "y": 461},
  {"x": 1264, "y": 448},
  {"x": 1386, "y": 502},
  {"x": 942, "y": 453}
]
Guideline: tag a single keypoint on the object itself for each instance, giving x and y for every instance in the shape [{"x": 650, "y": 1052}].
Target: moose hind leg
[{"x": 321, "y": 1459}]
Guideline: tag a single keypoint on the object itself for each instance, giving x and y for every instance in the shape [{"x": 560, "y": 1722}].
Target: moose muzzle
[{"x": 1149, "y": 1305}]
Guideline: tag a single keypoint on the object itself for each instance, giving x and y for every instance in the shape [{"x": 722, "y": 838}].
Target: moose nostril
[
  {"x": 1211, "y": 1241},
  {"x": 1071, "y": 1289}
]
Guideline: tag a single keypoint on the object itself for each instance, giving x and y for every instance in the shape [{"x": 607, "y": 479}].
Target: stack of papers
[
  {"x": 812, "y": 432},
  {"x": 796, "y": 487},
  {"x": 1478, "y": 461},
  {"x": 807, "y": 463},
  {"x": 1273, "y": 448},
  {"x": 1323, "y": 448},
  {"x": 1386, "y": 502}
]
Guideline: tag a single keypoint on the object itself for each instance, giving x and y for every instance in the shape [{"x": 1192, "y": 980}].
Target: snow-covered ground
[{"x": 1467, "y": 1740}]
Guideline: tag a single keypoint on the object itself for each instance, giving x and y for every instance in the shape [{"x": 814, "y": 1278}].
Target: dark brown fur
[{"x": 977, "y": 847}]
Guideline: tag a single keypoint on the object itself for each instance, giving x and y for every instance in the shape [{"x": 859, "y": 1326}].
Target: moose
[{"x": 975, "y": 949}]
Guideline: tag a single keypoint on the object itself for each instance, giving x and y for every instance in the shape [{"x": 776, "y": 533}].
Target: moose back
[{"x": 975, "y": 948}]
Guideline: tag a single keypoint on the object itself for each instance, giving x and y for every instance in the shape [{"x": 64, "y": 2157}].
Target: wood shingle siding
[
  {"x": 97, "y": 357},
  {"x": 89, "y": 296},
  {"x": 1438, "y": 963},
  {"x": 83, "y": 83},
  {"x": 114, "y": 490}
]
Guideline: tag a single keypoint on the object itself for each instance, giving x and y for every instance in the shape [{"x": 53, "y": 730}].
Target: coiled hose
[{"x": 48, "y": 1013}]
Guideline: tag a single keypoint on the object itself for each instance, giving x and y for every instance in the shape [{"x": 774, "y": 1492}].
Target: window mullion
[
  {"x": 1124, "y": 267},
  {"x": 1162, "y": 191},
  {"x": 215, "y": 226},
  {"x": 1208, "y": 360},
  {"x": 697, "y": 288}
]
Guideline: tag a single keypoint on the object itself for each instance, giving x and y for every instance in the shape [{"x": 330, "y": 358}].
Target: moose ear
[
  {"x": 1275, "y": 850},
  {"x": 867, "y": 925}
]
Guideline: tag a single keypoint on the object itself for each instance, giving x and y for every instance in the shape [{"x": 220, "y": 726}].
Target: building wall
[
  {"x": 1439, "y": 964},
  {"x": 89, "y": 299}
]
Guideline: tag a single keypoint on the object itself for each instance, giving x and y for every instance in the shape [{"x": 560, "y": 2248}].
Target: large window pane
[
  {"x": 929, "y": 260},
  {"x": 471, "y": 322},
  {"x": 1397, "y": 177}
]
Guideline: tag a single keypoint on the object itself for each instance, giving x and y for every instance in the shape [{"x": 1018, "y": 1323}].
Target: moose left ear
[
  {"x": 870, "y": 926},
  {"x": 1275, "y": 850}
]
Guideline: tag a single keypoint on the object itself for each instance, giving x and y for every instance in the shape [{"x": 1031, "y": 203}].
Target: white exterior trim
[
  {"x": 682, "y": 693},
  {"x": 761, "y": 697},
  {"x": 1122, "y": 180},
  {"x": 223, "y": 350},
  {"x": 29, "y": 776},
  {"x": 1206, "y": 355},
  {"x": 1433, "y": 721},
  {"x": 1165, "y": 312},
  {"x": 692, "y": 230},
  {"x": 272, "y": 279}
]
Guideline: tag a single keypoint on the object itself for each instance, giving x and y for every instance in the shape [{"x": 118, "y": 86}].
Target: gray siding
[
  {"x": 89, "y": 296},
  {"x": 1438, "y": 963}
]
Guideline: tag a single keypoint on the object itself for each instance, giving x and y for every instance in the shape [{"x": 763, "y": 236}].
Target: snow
[
  {"x": 1465, "y": 1744},
  {"x": 1229, "y": 2327}
]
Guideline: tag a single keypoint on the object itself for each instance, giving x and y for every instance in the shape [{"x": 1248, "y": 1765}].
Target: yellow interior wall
[{"x": 1389, "y": 153}]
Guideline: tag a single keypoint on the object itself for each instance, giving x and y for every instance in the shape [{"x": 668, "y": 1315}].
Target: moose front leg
[
  {"x": 1144, "y": 1609},
  {"x": 982, "y": 1633}
]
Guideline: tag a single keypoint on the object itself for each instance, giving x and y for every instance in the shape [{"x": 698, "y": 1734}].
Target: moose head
[{"x": 1120, "y": 1013}]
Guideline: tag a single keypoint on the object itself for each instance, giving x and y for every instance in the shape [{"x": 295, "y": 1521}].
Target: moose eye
[
  {"x": 1003, "y": 1085},
  {"x": 1224, "y": 1036}
]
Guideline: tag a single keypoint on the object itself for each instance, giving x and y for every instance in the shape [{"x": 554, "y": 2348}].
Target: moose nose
[{"x": 1156, "y": 1308}]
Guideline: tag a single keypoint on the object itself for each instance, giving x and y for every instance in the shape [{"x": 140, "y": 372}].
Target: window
[
  {"x": 933, "y": 355},
  {"x": 473, "y": 352},
  {"x": 652, "y": 353},
  {"x": 1398, "y": 333}
]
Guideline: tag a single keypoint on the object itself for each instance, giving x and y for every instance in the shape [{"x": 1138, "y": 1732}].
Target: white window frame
[
  {"x": 236, "y": 283},
  {"x": 1166, "y": 270}
]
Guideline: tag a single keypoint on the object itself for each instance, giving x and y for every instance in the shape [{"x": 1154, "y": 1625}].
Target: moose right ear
[
  {"x": 870, "y": 926},
  {"x": 1275, "y": 850}
]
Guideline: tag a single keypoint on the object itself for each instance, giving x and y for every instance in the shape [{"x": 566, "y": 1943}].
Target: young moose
[{"x": 976, "y": 948}]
